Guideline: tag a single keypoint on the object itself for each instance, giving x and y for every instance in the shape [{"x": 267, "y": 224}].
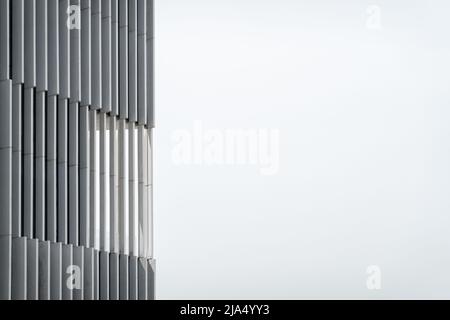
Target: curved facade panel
[{"x": 76, "y": 119}]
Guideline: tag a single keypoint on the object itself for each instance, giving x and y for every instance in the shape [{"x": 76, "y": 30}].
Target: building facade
[{"x": 76, "y": 119}]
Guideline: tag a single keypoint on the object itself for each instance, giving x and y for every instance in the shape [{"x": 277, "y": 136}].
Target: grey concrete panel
[
  {"x": 84, "y": 177},
  {"x": 142, "y": 279},
  {"x": 124, "y": 277},
  {"x": 67, "y": 272},
  {"x": 62, "y": 128},
  {"x": 19, "y": 269},
  {"x": 28, "y": 163},
  {"x": 73, "y": 173},
  {"x": 18, "y": 54},
  {"x": 51, "y": 174},
  {"x": 133, "y": 282},
  {"x": 53, "y": 47},
  {"x": 32, "y": 269},
  {"x": 104, "y": 275},
  {"x": 39, "y": 166},
  {"x": 78, "y": 261},
  {"x": 86, "y": 51},
  {"x": 44, "y": 270},
  {"x": 56, "y": 279},
  {"x": 114, "y": 276},
  {"x": 5, "y": 267},
  {"x": 30, "y": 43},
  {"x": 89, "y": 274},
  {"x": 96, "y": 54},
  {"x": 41, "y": 45},
  {"x": 64, "y": 48},
  {"x": 5, "y": 39}
]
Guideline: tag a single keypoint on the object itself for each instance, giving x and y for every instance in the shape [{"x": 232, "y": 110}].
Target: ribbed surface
[{"x": 76, "y": 113}]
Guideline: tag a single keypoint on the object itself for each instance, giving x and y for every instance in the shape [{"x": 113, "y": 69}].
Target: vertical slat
[
  {"x": 67, "y": 262},
  {"x": 64, "y": 48},
  {"x": 73, "y": 173},
  {"x": 32, "y": 269},
  {"x": 149, "y": 195},
  {"x": 150, "y": 88},
  {"x": 124, "y": 292},
  {"x": 92, "y": 178},
  {"x": 28, "y": 162},
  {"x": 123, "y": 189},
  {"x": 96, "y": 274},
  {"x": 104, "y": 275},
  {"x": 19, "y": 269},
  {"x": 56, "y": 271},
  {"x": 41, "y": 45},
  {"x": 96, "y": 54},
  {"x": 51, "y": 170},
  {"x": 114, "y": 57},
  {"x": 133, "y": 57},
  {"x": 133, "y": 278},
  {"x": 84, "y": 177},
  {"x": 142, "y": 169},
  {"x": 17, "y": 159},
  {"x": 106, "y": 55},
  {"x": 62, "y": 187},
  {"x": 30, "y": 44},
  {"x": 86, "y": 52},
  {"x": 6, "y": 149},
  {"x": 44, "y": 270},
  {"x": 151, "y": 279},
  {"x": 123, "y": 59},
  {"x": 53, "y": 47},
  {"x": 78, "y": 261},
  {"x": 133, "y": 208},
  {"x": 5, "y": 39},
  {"x": 104, "y": 214},
  {"x": 5, "y": 267},
  {"x": 88, "y": 274},
  {"x": 75, "y": 60},
  {"x": 142, "y": 62},
  {"x": 17, "y": 57},
  {"x": 113, "y": 185},
  {"x": 114, "y": 276},
  {"x": 39, "y": 166},
  {"x": 143, "y": 281}
]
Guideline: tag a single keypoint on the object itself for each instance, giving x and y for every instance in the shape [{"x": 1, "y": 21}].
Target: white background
[{"x": 364, "y": 124}]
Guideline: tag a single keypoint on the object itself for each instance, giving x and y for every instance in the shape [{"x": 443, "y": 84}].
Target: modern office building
[{"x": 76, "y": 119}]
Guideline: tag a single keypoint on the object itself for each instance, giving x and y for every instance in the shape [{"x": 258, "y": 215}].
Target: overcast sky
[{"x": 358, "y": 92}]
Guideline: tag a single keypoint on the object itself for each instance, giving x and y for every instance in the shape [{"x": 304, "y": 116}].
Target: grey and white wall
[{"x": 76, "y": 119}]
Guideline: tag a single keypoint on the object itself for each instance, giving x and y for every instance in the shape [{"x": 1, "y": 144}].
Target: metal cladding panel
[
  {"x": 151, "y": 268},
  {"x": 56, "y": 279},
  {"x": 133, "y": 272},
  {"x": 114, "y": 57},
  {"x": 124, "y": 292},
  {"x": 75, "y": 60},
  {"x": 41, "y": 45},
  {"x": 123, "y": 59},
  {"x": 5, "y": 39},
  {"x": 84, "y": 177},
  {"x": 19, "y": 269},
  {"x": 39, "y": 166},
  {"x": 89, "y": 274},
  {"x": 104, "y": 275},
  {"x": 17, "y": 160},
  {"x": 142, "y": 279},
  {"x": 53, "y": 47},
  {"x": 30, "y": 43},
  {"x": 133, "y": 60},
  {"x": 92, "y": 178},
  {"x": 142, "y": 62},
  {"x": 67, "y": 272},
  {"x": 17, "y": 57},
  {"x": 86, "y": 52},
  {"x": 78, "y": 262},
  {"x": 5, "y": 267},
  {"x": 76, "y": 95},
  {"x": 32, "y": 269},
  {"x": 73, "y": 173},
  {"x": 51, "y": 175},
  {"x": 63, "y": 108},
  {"x": 44, "y": 269},
  {"x": 104, "y": 175},
  {"x": 28, "y": 162},
  {"x": 113, "y": 186},
  {"x": 66, "y": 16},
  {"x": 6, "y": 149},
  {"x": 114, "y": 276},
  {"x": 106, "y": 55},
  {"x": 150, "y": 75},
  {"x": 96, "y": 54}
]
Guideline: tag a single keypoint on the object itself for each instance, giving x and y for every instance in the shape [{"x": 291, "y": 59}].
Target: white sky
[{"x": 364, "y": 174}]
